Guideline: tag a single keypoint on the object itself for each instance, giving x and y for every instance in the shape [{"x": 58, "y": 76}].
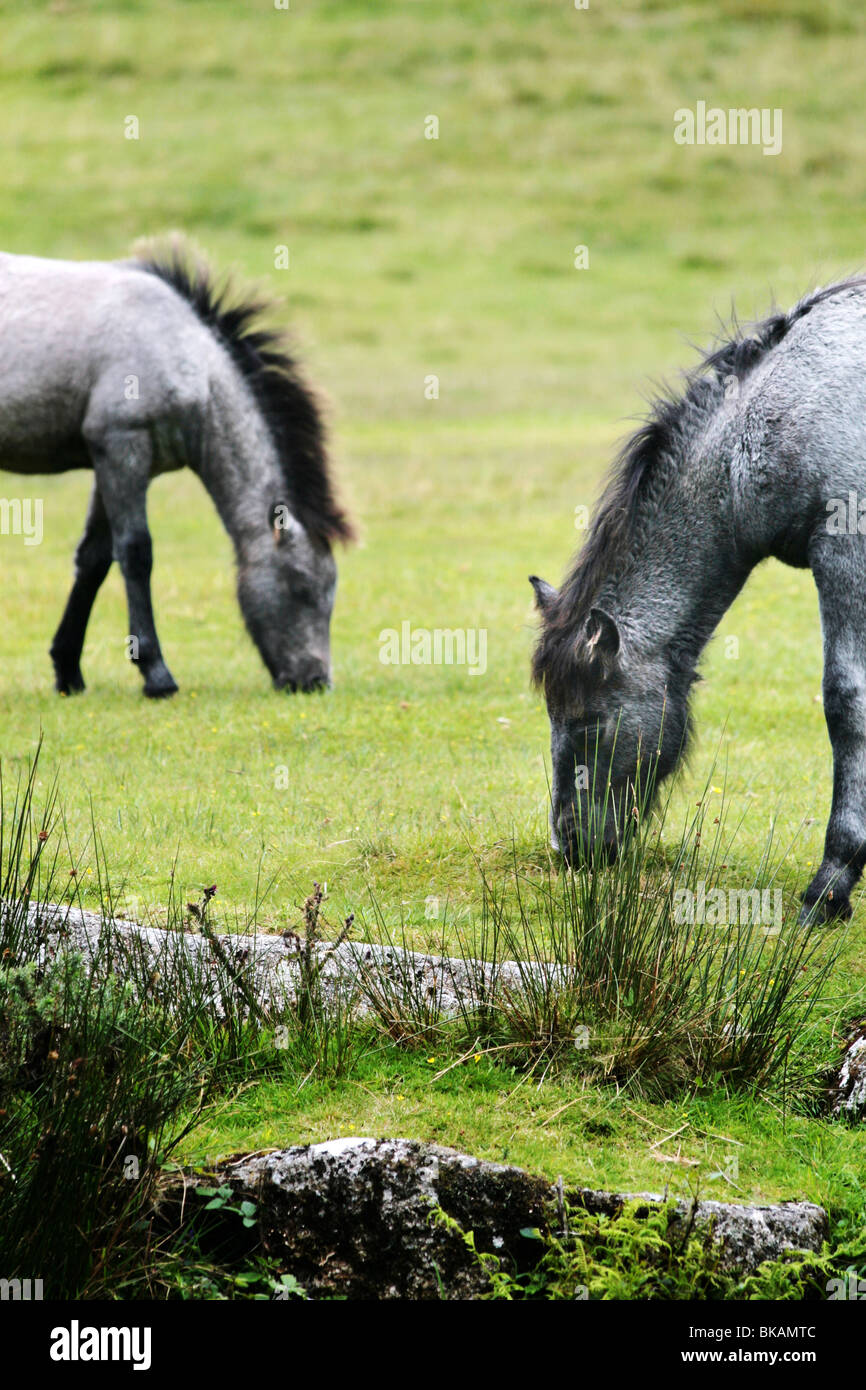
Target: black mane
[
  {"x": 262, "y": 355},
  {"x": 639, "y": 467}
]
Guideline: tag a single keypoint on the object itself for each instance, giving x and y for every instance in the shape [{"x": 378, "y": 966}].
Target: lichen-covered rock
[
  {"x": 848, "y": 1096},
  {"x": 358, "y": 1217},
  {"x": 352, "y": 975},
  {"x": 747, "y": 1234}
]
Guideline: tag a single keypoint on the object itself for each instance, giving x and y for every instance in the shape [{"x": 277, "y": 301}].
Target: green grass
[
  {"x": 592, "y": 1137},
  {"x": 412, "y": 257}
]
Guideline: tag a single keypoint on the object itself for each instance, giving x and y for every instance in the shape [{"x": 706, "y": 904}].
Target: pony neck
[
  {"x": 238, "y": 464},
  {"x": 683, "y": 571}
]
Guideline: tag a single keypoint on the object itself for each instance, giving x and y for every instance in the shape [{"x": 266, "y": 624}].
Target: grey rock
[
  {"x": 356, "y": 976},
  {"x": 848, "y": 1096},
  {"x": 357, "y": 1218},
  {"x": 747, "y": 1234}
]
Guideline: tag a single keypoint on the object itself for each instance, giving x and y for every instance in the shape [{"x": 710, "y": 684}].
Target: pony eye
[{"x": 586, "y": 727}]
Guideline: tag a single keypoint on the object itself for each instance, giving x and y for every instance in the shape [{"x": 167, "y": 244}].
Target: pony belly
[{"x": 58, "y": 455}]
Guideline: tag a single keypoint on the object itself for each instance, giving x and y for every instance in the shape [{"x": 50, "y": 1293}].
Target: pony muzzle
[
  {"x": 305, "y": 678},
  {"x": 581, "y": 839}
]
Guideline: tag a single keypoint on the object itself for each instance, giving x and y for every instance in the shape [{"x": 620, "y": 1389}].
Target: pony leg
[
  {"x": 92, "y": 563},
  {"x": 840, "y": 577},
  {"x": 121, "y": 460}
]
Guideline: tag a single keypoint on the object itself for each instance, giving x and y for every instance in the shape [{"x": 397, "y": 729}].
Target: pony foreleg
[
  {"x": 844, "y": 693},
  {"x": 828, "y": 895},
  {"x": 122, "y": 465},
  {"x": 135, "y": 554},
  {"x": 92, "y": 563}
]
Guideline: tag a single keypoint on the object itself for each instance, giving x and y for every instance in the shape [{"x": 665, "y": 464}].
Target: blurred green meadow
[{"x": 413, "y": 258}]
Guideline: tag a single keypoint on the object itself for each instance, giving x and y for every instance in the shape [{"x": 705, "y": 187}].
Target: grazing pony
[
  {"x": 762, "y": 454},
  {"x": 135, "y": 368}
]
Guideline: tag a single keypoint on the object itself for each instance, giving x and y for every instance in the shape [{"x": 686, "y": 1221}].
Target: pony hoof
[
  {"x": 160, "y": 687},
  {"x": 69, "y": 684}
]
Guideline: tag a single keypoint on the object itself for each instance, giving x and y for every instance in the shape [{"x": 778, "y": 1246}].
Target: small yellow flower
[{"x": 478, "y": 1056}]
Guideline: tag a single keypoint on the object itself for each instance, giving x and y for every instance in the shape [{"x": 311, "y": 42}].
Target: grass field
[{"x": 412, "y": 257}]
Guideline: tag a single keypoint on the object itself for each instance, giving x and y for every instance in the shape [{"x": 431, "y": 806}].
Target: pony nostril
[
  {"x": 317, "y": 680},
  {"x": 306, "y": 680}
]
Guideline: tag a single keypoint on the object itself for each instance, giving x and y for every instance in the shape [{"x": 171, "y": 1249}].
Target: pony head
[{"x": 619, "y": 722}]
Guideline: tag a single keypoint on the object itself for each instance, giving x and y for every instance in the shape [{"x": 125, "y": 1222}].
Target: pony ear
[
  {"x": 545, "y": 594},
  {"x": 600, "y": 639}
]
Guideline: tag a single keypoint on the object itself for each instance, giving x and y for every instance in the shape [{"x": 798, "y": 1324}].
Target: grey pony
[
  {"x": 763, "y": 453},
  {"x": 135, "y": 368}
]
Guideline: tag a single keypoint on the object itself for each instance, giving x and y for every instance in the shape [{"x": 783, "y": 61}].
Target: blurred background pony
[{"x": 136, "y": 368}]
